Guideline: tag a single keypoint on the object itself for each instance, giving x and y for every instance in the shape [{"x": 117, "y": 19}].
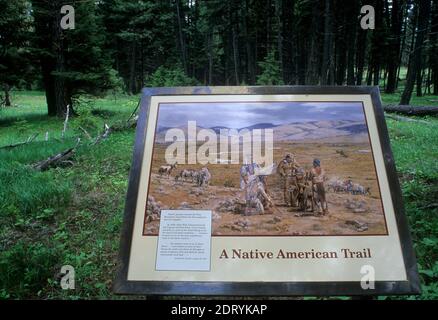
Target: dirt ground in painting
[{"x": 341, "y": 159}]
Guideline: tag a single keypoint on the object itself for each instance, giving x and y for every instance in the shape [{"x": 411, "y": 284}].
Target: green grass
[
  {"x": 394, "y": 98},
  {"x": 74, "y": 215},
  {"x": 61, "y": 216},
  {"x": 415, "y": 148}
]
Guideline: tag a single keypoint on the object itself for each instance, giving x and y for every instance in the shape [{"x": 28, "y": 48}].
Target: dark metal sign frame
[{"x": 261, "y": 288}]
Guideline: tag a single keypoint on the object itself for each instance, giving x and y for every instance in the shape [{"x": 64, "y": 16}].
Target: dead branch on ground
[
  {"x": 14, "y": 145},
  {"x": 65, "y": 121},
  {"x": 104, "y": 135},
  {"x": 59, "y": 159}
]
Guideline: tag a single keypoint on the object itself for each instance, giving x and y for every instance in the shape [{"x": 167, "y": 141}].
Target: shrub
[
  {"x": 169, "y": 77},
  {"x": 86, "y": 121},
  {"x": 271, "y": 71}
]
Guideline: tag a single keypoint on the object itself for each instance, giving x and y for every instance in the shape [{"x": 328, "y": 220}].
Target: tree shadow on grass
[{"x": 10, "y": 120}]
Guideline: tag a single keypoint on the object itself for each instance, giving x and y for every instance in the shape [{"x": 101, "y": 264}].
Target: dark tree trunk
[
  {"x": 278, "y": 16},
  {"x": 61, "y": 94},
  {"x": 327, "y": 54},
  {"x": 403, "y": 44},
  {"x": 419, "y": 82},
  {"x": 376, "y": 75},
  {"x": 394, "y": 44},
  {"x": 428, "y": 82},
  {"x": 289, "y": 47},
  {"x": 226, "y": 41},
  {"x": 341, "y": 65},
  {"x": 415, "y": 65},
  {"x": 182, "y": 44},
  {"x": 7, "y": 88},
  {"x": 351, "y": 40},
  {"x": 132, "y": 68},
  {"x": 433, "y": 56},
  {"x": 250, "y": 71},
  {"x": 312, "y": 74},
  {"x": 47, "y": 22},
  {"x": 435, "y": 82},
  {"x": 376, "y": 52},
  {"x": 141, "y": 64},
  {"x": 268, "y": 25},
  {"x": 234, "y": 42},
  {"x": 369, "y": 73},
  {"x": 360, "y": 55},
  {"x": 210, "y": 58},
  {"x": 48, "y": 80},
  {"x": 341, "y": 45},
  {"x": 235, "y": 56},
  {"x": 301, "y": 60},
  {"x": 413, "y": 26}
]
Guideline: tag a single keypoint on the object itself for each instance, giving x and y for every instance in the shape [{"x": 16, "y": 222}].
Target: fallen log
[
  {"x": 60, "y": 159},
  {"x": 14, "y": 145},
  {"x": 412, "y": 110},
  {"x": 55, "y": 160}
]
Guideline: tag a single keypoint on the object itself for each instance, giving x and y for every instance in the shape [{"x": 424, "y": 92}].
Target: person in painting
[
  {"x": 318, "y": 178},
  {"x": 287, "y": 169}
]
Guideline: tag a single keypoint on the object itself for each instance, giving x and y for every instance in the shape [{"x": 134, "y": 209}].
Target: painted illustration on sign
[{"x": 266, "y": 168}]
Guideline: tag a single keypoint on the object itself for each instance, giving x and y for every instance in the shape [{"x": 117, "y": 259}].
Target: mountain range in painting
[{"x": 312, "y": 130}]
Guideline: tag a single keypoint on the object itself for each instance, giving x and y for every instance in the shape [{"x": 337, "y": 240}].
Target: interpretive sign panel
[
  {"x": 264, "y": 191},
  {"x": 184, "y": 240}
]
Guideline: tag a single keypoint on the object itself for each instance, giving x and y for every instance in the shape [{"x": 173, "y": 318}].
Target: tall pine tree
[
  {"x": 14, "y": 34},
  {"x": 72, "y": 61},
  {"x": 414, "y": 68},
  {"x": 140, "y": 37}
]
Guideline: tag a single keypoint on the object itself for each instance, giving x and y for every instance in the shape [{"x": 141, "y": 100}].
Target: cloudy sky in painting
[{"x": 242, "y": 114}]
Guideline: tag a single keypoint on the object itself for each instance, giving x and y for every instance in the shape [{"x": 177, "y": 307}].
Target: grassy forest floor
[{"x": 73, "y": 215}]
